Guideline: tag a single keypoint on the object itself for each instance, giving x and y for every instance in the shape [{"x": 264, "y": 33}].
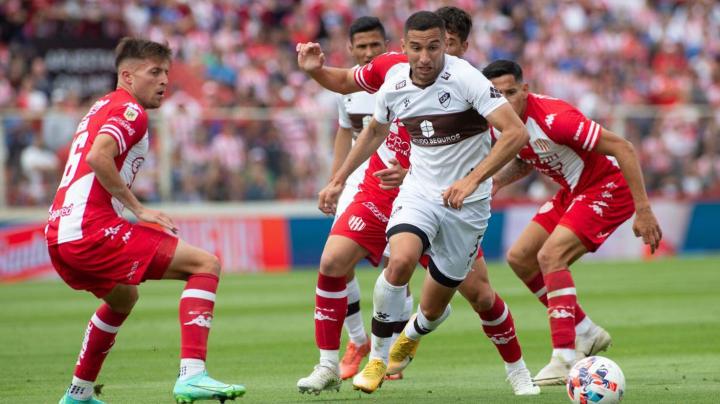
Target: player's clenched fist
[
  {"x": 310, "y": 56},
  {"x": 328, "y": 197}
]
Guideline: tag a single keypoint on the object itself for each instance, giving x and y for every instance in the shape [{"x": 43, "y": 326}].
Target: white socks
[
  {"x": 190, "y": 368},
  {"x": 388, "y": 305},
  {"x": 80, "y": 389},
  {"x": 329, "y": 358},
  {"x": 354, "y": 322},
  {"x": 421, "y": 326}
]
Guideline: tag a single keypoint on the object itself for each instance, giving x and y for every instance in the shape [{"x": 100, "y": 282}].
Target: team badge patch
[
  {"x": 444, "y": 98},
  {"x": 130, "y": 114},
  {"x": 400, "y": 85},
  {"x": 445, "y": 76}
]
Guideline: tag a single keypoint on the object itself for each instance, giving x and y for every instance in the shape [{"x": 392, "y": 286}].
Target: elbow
[
  {"x": 92, "y": 159},
  {"x": 520, "y": 137}
]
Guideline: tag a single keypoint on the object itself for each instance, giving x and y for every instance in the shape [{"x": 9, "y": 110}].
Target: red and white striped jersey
[
  {"x": 562, "y": 143},
  {"x": 82, "y": 207}
]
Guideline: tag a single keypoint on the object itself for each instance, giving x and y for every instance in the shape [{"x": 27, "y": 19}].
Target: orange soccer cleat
[{"x": 354, "y": 354}]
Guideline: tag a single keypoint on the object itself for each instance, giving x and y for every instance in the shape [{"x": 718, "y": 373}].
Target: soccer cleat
[
  {"x": 402, "y": 353},
  {"x": 371, "y": 377},
  {"x": 396, "y": 376},
  {"x": 354, "y": 354},
  {"x": 522, "y": 383},
  {"x": 554, "y": 373},
  {"x": 204, "y": 387},
  {"x": 322, "y": 378},
  {"x": 66, "y": 399},
  {"x": 592, "y": 342}
]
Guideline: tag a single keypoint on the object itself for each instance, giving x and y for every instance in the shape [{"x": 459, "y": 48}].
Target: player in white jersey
[
  {"x": 497, "y": 320},
  {"x": 449, "y": 168},
  {"x": 94, "y": 248}
]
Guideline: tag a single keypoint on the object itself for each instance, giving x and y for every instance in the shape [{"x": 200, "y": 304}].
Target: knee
[
  {"x": 433, "y": 313},
  {"x": 399, "y": 270},
  {"x": 517, "y": 259},
  {"x": 126, "y": 304},
  {"x": 209, "y": 264},
  {"x": 483, "y": 301},
  {"x": 547, "y": 259},
  {"x": 332, "y": 264}
]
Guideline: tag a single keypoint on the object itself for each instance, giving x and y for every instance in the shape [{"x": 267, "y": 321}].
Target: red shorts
[
  {"x": 129, "y": 255},
  {"x": 592, "y": 215},
  {"x": 364, "y": 222}
]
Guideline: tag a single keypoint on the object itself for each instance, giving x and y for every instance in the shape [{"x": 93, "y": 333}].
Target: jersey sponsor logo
[
  {"x": 549, "y": 119},
  {"x": 63, "y": 211},
  {"x": 445, "y": 76},
  {"x": 356, "y": 223},
  {"x": 439, "y": 141},
  {"x": 375, "y": 211},
  {"x": 426, "y": 127},
  {"x": 579, "y": 131},
  {"x": 444, "y": 98},
  {"x": 125, "y": 124},
  {"x": 400, "y": 84},
  {"x": 396, "y": 143},
  {"x": 136, "y": 164},
  {"x": 597, "y": 207},
  {"x": 495, "y": 93}
]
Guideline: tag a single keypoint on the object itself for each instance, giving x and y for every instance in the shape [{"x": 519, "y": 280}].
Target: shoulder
[
  {"x": 386, "y": 60},
  {"x": 554, "y": 114}
]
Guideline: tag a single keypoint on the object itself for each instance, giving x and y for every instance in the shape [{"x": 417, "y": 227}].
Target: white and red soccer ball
[{"x": 596, "y": 379}]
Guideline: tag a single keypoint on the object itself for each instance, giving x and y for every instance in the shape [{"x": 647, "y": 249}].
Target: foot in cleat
[
  {"x": 371, "y": 377},
  {"x": 321, "y": 379},
  {"x": 204, "y": 387},
  {"x": 354, "y": 354},
  {"x": 66, "y": 399}
]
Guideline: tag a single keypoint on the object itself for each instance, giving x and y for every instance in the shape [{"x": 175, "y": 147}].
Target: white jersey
[
  {"x": 446, "y": 122},
  {"x": 354, "y": 112}
]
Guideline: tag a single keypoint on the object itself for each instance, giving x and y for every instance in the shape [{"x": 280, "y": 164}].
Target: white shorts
[
  {"x": 450, "y": 236},
  {"x": 352, "y": 186}
]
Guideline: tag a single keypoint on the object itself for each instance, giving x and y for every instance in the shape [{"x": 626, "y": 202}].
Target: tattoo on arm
[{"x": 512, "y": 172}]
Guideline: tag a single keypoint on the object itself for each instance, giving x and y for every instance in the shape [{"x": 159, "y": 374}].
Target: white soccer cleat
[
  {"x": 522, "y": 383},
  {"x": 592, "y": 342},
  {"x": 321, "y": 379},
  {"x": 554, "y": 373}
]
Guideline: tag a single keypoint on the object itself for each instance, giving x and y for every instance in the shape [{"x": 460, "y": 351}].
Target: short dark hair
[
  {"x": 137, "y": 48},
  {"x": 457, "y": 21},
  {"x": 366, "y": 24},
  {"x": 502, "y": 67},
  {"x": 423, "y": 21}
]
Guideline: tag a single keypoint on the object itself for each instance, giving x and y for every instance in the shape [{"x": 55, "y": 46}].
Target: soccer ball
[{"x": 596, "y": 379}]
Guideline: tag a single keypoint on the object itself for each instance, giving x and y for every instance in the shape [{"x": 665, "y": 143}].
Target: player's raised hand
[
  {"x": 329, "y": 196},
  {"x": 454, "y": 196},
  {"x": 157, "y": 217},
  {"x": 391, "y": 177},
  {"x": 647, "y": 227},
  {"x": 310, "y": 56}
]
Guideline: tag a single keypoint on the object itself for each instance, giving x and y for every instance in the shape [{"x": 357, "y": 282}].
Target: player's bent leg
[
  {"x": 498, "y": 325},
  {"x": 522, "y": 256},
  {"x": 434, "y": 308},
  {"x": 99, "y": 339},
  {"x": 189, "y": 260},
  {"x": 561, "y": 248}
]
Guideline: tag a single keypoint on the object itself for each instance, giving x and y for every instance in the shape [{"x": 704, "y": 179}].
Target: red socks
[
  {"x": 499, "y": 327},
  {"x": 562, "y": 302},
  {"x": 196, "y": 313},
  {"x": 330, "y": 311},
  {"x": 537, "y": 287},
  {"x": 99, "y": 338}
]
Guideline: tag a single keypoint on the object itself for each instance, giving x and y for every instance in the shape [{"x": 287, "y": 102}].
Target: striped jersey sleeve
[
  {"x": 571, "y": 128},
  {"x": 126, "y": 125},
  {"x": 372, "y": 75}
]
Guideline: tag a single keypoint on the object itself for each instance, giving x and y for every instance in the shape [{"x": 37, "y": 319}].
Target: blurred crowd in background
[{"x": 611, "y": 58}]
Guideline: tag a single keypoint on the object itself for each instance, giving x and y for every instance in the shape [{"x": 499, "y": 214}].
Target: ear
[
  {"x": 402, "y": 45},
  {"x": 125, "y": 76},
  {"x": 350, "y": 46},
  {"x": 465, "y": 46},
  {"x": 525, "y": 87}
]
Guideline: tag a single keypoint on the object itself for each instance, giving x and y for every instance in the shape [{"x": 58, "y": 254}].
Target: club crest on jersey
[
  {"x": 444, "y": 98},
  {"x": 132, "y": 111},
  {"x": 541, "y": 145},
  {"x": 400, "y": 84},
  {"x": 445, "y": 76}
]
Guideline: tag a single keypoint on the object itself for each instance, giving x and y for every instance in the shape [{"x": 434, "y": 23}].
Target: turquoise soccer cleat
[
  {"x": 66, "y": 399},
  {"x": 204, "y": 387}
]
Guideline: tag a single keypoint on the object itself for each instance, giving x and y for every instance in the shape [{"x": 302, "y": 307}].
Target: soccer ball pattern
[{"x": 596, "y": 379}]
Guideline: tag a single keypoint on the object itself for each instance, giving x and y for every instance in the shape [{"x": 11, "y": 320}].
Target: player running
[
  {"x": 444, "y": 128},
  {"x": 93, "y": 248},
  {"x": 497, "y": 320},
  {"x": 359, "y": 228},
  {"x": 598, "y": 193}
]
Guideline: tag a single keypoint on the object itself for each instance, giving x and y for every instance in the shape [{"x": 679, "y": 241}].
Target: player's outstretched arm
[
  {"x": 311, "y": 60},
  {"x": 367, "y": 142},
  {"x": 646, "y": 225},
  {"x": 101, "y": 158},
  {"x": 512, "y": 172},
  {"x": 513, "y": 139}
]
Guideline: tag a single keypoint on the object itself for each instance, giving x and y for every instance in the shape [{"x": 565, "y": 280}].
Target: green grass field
[{"x": 664, "y": 318}]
